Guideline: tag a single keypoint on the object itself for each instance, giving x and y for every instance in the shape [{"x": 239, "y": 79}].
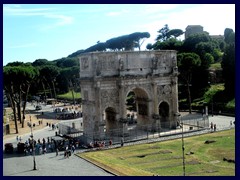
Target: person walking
[
  {"x": 122, "y": 142},
  {"x": 110, "y": 143},
  {"x": 66, "y": 154},
  {"x": 73, "y": 148},
  {"x": 215, "y": 127},
  {"x": 57, "y": 150},
  {"x": 211, "y": 126}
]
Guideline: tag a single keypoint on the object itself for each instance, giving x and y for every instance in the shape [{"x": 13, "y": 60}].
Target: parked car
[
  {"x": 38, "y": 107},
  {"x": 8, "y": 148}
]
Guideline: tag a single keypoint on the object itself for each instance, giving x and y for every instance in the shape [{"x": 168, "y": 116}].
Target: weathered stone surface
[{"x": 107, "y": 78}]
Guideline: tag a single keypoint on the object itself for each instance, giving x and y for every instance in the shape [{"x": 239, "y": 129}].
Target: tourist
[
  {"x": 57, "y": 150},
  {"x": 110, "y": 143},
  {"x": 66, "y": 154},
  {"x": 122, "y": 142},
  {"x": 211, "y": 126},
  {"x": 215, "y": 127},
  {"x": 73, "y": 148},
  {"x": 40, "y": 149}
]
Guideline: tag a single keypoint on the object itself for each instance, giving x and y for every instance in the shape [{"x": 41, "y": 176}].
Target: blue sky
[{"x": 53, "y": 31}]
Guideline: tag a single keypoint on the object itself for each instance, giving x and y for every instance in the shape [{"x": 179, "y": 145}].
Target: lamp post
[
  {"x": 183, "y": 156},
  {"x": 156, "y": 117},
  {"x": 34, "y": 162},
  {"x": 183, "y": 148},
  {"x": 212, "y": 106}
]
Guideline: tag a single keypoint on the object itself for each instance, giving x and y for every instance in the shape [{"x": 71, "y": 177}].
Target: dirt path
[{"x": 43, "y": 121}]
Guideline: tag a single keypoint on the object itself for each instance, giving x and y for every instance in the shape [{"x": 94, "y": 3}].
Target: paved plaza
[
  {"x": 52, "y": 165},
  {"x": 48, "y": 164}
]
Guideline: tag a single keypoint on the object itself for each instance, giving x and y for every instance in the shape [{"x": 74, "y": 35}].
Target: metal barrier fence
[
  {"x": 136, "y": 132},
  {"x": 70, "y": 126}
]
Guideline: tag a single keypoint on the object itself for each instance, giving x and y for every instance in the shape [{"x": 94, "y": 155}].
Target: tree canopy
[{"x": 228, "y": 62}]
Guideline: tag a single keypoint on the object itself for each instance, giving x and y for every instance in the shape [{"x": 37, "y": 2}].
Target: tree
[
  {"x": 97, "y": 47},
  {"x": 175, "y": 33},
  {"x": 187, "y": 63},
  {"x": 75, "y": 54},
  {"x": 40, "y": 62},
  {"x": 169, "y": 44},
  {"x": 202, "y": 48},
  {"x": 17, "y": 81},
  {"x": 127, "y": 42},
  {"x": 163, "y": 33},
  {"x": 48, "y": 74},
  {"x": 228, "y": 63},
  {"x": 229, "y": 35},
  {"x": 217, "y": 55},
  {"x": 138, "y": 38},
  {"x": 190, "y": 43},
  {"x": 70, "y": 79},
  {"x": 16, "y": 63},
  {"x": 149, "y": 46},
  {"x": 67, "y": 62},
  {"x": 206, "y": 60}
]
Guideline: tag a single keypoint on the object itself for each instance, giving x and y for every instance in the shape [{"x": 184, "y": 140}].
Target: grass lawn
[
  {"x": 216, "y": 66},
  {"x": 165, "y": 158},
  {"x": 68, "y": 95}
]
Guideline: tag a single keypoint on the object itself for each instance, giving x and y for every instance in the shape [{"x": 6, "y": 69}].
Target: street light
[
  {"x": 183, "y": 156},
  {"x": 156, "y": 117},
  {"x": 123, "y": 121},
  {"x": 34, "y": 162},
  {"x": 181, "y": 125}
]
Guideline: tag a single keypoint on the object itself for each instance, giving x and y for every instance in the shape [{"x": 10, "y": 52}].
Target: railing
[{"x": 136, "y": 132}]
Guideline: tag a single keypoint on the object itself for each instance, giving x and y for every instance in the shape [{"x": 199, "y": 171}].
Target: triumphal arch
[{"x": 108, "y": 77}]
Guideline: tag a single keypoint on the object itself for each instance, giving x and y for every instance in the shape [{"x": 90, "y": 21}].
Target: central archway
[{"x": 140, "y": 106}]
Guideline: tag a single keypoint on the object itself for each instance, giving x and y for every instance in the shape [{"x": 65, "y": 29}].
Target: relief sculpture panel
[
  {"x": 85, "y": 63},
  {"x": 109, "y": 96}
]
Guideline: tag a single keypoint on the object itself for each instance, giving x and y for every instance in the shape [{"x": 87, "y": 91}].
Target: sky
[{"x": 53, "y": 31}]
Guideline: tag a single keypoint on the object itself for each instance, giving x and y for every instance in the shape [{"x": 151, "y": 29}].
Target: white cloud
[
  {"x": 61, "y": 20},
  {"x": 213, "y": 17}
]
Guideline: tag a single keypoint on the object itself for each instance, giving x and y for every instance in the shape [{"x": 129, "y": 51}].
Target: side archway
[
  {"x": 163, "y": 110},
  {"x": 110, "y": 118}
]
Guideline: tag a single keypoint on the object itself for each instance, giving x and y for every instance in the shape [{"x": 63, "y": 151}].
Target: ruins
[{"x": 108, "y": 77}]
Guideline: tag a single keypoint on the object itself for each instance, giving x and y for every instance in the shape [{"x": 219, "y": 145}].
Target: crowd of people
[
  {"x": 100, "y": 144},
  {"x": 48, "y": 145},
  {"x": 67, "y": 113}
]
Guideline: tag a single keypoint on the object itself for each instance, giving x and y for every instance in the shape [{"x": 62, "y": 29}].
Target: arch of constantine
[{"x": 108, "y": 77}]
